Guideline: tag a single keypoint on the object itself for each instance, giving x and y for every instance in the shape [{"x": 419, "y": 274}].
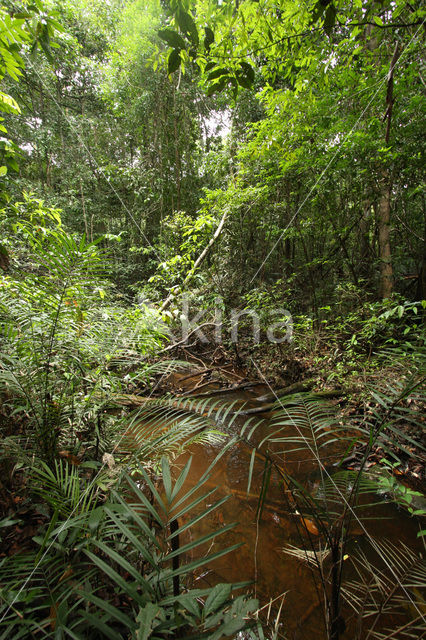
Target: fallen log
[
  {"x": 297, "y": 387},
  {"x": 265, "y": 409},
  {"x": 328, "y": 393},
  {"x": 232, "y": 389},
  {"x": 198, "y": 372}
]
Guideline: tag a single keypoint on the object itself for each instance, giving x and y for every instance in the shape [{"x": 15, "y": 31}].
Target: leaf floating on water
[{"x": 310, "y": 526}]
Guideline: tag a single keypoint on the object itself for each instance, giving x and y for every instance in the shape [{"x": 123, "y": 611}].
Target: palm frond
[
  {"x": 158, "y": 590},
  {"x": 164, "y": 425},
  {"x": 313, "y": 557},
  {"x": 392, "y": 584},
  {"x": 397, "y": 412},
  {"x": 62, "y": 488},
  {"x": 302, "y": 423}
]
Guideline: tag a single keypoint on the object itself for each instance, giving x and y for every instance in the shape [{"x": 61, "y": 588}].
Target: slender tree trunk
[
  {"x": 177, "y": 153},
  {"x": 83, "y": 206},
  {"x": 384, "y": 210},
  {"x": 385, "y": 254},
  {"x": 199, "y": 260},
  {"x": 364, "y": 241},
  {"x": 421, "y": 281}
]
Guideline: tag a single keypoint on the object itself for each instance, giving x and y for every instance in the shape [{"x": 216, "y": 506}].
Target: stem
[{"x": 175, "y": 560}]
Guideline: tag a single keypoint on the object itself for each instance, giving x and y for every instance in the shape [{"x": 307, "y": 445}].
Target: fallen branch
[
  {"x": 199, "y": 372},
  {"x": 191, "y": 355},
  {"x": 198, "y": 261},
  {"x": 297, "y": 387},
  {"x": 265, "y": 409},
  {"x": 232, "y": 389},
  {"x": 199, "y": 386},
  {"x": 185, "y": 340}
]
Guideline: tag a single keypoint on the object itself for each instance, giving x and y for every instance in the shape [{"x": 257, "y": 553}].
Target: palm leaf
[{"x": 398, "y": 582}]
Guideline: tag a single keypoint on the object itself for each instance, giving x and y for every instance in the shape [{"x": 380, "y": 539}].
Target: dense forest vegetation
[{"x": 212, "y": 249}]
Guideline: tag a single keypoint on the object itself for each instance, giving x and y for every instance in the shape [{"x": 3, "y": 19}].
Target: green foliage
[
  {"x": 33, "y": 27},
  {"x": 63, "y": 338},
  {"x": 62, "y": 489},
  {"x": 112, "y": 150},
  {"x": 183, "y": 239},
  {"x": 387, "y": 323},
  {"x": 304, "y": 428},
  {"x": 131, "y": 564},
  {"x": 399, "y": 493}
]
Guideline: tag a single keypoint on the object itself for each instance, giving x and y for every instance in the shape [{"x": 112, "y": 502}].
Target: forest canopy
[{"x": 212, "y": 243}]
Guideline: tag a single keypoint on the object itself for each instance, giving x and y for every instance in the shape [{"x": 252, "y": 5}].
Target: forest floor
[
  {"x": 268, "y": 369},
  {"x": 256, "y": 373}
]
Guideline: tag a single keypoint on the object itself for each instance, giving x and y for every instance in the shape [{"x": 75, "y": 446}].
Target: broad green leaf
[
  {"x": 218, "y": 596},
  {"x": 167, "y": 479},
  {"x": 181, "y": 479},
  {"x": 172, "y": 38},
  {"x": 217, "y": 73},
  {"x": 250, "y": 475},
  {"x": 217, "y": 87},
  {"x": 187, "y": 25},
  {"x": 209, "y": 38},
  {"x": 242, "y": 80},
  {"x": 8, "y": 104},
  {"x": 95, "y": 518},
  {"x": 248, "y": 71},
  {"x": 174, "y": 61},
  {"x": 190, "y": 603},
  {"x": 145, "y": 619}
]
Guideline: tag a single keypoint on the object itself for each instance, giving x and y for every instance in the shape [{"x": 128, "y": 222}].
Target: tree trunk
[
  {"x": 198, "y": 261},
  {"x": 385, "y": 255},
  {"x": 384, "y": 212},
  {"x": 364, "y": 241}
]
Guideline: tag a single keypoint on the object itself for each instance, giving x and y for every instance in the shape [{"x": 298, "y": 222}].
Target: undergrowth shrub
[
  {"x": 118, "y": 569},
  {"x": 65, "y": 340}
]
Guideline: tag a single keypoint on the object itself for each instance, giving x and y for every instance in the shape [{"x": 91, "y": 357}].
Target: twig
[
  {"x": 201, "y": 386},
  {"x": 297, "y": 387},
  {"x": 197, "y": 373},
  {"x": 191, "y": 355},
  {"x": 185, "y": 340},
  {"x": 199, "y": 260}
]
